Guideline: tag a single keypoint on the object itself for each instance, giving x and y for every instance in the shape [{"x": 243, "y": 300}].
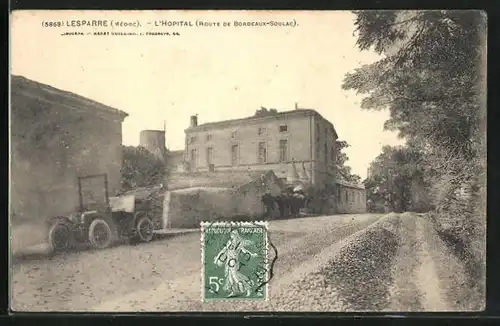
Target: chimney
[{"x": 194, "y": 120}]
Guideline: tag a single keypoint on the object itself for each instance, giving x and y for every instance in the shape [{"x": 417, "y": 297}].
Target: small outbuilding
[
  {"x": 350, "y": 198},
  {"x": 207, "y": 196}
]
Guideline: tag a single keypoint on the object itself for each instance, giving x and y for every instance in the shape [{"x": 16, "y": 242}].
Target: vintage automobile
[{"x": 97, "y": 222}]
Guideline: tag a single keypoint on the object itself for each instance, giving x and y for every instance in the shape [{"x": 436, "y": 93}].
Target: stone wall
[
  {"x": 324, "y": 152},
  {"x": 186, "y": 208}
]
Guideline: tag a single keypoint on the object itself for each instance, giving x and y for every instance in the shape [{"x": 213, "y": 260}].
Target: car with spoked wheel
[{"x": 98, "y": 222}]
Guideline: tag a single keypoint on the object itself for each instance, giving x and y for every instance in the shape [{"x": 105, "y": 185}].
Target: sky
[{"x": 218, "y": 73}]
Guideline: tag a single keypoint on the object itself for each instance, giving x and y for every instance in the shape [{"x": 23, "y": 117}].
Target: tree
[
  {"x": 432, "y": 79},
  {"x": 264, "y": 112},
  {"x": 429, "y": 79},
  {"x": 344, "y": 171},
  {"x": 397, "y": 179},
  {"x": 141, "y": 168}
]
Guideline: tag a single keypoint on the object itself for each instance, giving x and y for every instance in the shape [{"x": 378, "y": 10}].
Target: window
[
  {"x": 262, "y": 153},
  {"x": 338, "y": 193},
  {"x": 261, "y": 131},
  {"x": 233, "y": 135},
  {"x": 192, "y": 139},
  {"x": 283, "y": 150},
  {"x": 209, "y": 137},
  {"x": 209, "y": 155},
  {"x": 234, "y": 155},
  {"x": 283, "y": 128},
  {"x": 194, "y": 157},
  {"x": 346, "y": 196}
]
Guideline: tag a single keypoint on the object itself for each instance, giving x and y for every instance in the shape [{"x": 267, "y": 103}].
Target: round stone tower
[{"x": 154, "y": 141}]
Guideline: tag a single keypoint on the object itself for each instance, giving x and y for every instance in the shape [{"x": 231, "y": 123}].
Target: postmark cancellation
[{"x": 234, "y": 261}]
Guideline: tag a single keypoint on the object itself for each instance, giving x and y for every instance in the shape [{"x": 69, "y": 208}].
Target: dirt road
[
  {"x": 324, "y": 264},
  {"x": 162, "y": 275}
]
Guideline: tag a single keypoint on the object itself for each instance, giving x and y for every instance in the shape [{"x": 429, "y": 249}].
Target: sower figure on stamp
[{"x": 236, "y": 282}]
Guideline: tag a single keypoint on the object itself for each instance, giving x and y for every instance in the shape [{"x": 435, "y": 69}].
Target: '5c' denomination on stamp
[{"x": 234, "y": 260}]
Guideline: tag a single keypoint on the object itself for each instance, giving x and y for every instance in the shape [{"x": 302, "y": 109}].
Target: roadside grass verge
[{"x": 469, "y": 248}]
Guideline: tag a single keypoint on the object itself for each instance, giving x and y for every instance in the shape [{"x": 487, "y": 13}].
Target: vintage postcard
[{"x": 247, "y": 161}]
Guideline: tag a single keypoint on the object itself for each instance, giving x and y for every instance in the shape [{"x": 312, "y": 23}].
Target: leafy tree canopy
[
  {"x": 344, "y": 171},
  {"x": 430, "y": 77},
  {"x": 141, "y": 168},
  {"x": 397, "y": 179},
  {"x": 264, "y": 112}
]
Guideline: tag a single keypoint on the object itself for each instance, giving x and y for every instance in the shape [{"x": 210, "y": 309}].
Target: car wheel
[
  {"x": 60, "y": 236},
  {"x": 145, "y": 229},
  {"x": 100, "y": 234}
]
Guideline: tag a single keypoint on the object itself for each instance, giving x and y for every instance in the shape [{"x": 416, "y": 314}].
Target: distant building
[
  {"x": 57, "y": 136},
  {"x": 350, "y": 198},
  {"x": 298, "y": 146}
]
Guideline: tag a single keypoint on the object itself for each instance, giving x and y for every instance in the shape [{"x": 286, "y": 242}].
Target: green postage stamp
[{"x": 234, "y": 261}]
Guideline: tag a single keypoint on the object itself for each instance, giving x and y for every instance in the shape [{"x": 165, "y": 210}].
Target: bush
[
  {"x": 141, "y": 168},
  {"x": 460, "y": 218}
]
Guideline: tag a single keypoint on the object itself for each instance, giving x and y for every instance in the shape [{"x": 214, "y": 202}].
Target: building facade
[
  {"x": 56, "y": 137},
  {"x": 300, "y": 140},
  {"x": 350, "y": 198}
]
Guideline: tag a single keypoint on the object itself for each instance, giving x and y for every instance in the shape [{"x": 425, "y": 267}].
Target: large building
[
  {"x": 295, "y": 145},
  {"x": 57, "y": 136}
]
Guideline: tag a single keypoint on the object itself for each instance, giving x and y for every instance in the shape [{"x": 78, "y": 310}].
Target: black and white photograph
[{"x": 247, "y": 161}]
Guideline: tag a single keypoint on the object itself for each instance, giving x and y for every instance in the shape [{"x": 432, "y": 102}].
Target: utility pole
[{"x": 165, "y": 132}]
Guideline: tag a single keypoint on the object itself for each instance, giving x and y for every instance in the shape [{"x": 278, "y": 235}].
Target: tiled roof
[
  {"x": 23, "y": 86},
  {"x": 234, "y": 122},
  {"x": 350, "y": 185}
]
